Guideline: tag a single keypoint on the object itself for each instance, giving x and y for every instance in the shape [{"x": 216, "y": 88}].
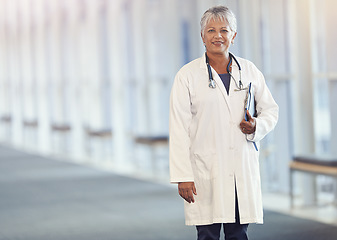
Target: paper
[
  {"x": 250, "y": 102},
  {"x": 250, "y": 105}
]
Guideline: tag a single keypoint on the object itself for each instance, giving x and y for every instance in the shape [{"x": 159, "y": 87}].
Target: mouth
[{"x": 217, "y": 43}]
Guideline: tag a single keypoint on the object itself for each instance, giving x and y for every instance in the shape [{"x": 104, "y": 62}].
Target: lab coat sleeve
[
  {"x": 267, "y": 110},
  {"x": 179, "y": 126}
]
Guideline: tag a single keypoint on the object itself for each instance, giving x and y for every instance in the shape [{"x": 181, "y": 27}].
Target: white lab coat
[{"x": 208, "y": 147}]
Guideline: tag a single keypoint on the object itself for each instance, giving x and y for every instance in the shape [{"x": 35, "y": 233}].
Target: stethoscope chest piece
[
  {"x": 212, "y": 83},
  {"x": 210, "y": 75}
]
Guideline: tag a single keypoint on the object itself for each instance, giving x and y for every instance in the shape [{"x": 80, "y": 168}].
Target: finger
[
  {"x": 243, "y": 124},
  {"x": 248, "y": 116},
  {"x": 194, "y": 190},
  {"x": 188, "y": 195},
  {"x": 247, "y": 128},
  {"x": 185, "y": 195},
  {"x": 191, "y": 198}
]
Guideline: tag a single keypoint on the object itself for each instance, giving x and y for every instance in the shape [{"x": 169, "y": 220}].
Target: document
[{"x": 250, "y": 105}]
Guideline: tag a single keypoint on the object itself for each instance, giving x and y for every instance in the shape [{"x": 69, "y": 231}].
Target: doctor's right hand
[{"x": 186, "y": 191}]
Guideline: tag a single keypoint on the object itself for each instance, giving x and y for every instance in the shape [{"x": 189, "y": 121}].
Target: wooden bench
[
  {"x": 6, "y": 118},
  {"x": 98, "y": 144},
  {"x": 61, "y": 127},
  {"x": 60, "y": 135},
  {"x": 153, "y": 142},
  {"x": 30, "y": 123},
  {"x": 314, "y": 165},
  {"x": 102, "y": 133}
]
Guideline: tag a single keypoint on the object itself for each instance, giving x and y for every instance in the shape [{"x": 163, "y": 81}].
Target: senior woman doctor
[{"x": 212, "y": 155}]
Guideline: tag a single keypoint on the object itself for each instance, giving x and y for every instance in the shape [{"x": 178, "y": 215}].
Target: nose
[{"x": 218, "y": 35}]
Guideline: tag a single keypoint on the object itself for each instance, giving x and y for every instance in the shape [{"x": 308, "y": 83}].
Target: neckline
[{"x": 229, "y": 65}]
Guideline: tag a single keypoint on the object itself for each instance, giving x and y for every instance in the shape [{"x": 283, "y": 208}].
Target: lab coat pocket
[{"x": 206, "y": 165}]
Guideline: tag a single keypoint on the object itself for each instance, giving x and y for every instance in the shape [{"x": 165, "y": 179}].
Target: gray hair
[{"x": 218, "y": 13}]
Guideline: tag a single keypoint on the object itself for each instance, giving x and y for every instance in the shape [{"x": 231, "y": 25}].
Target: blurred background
[{"x": 89, "y": 81}]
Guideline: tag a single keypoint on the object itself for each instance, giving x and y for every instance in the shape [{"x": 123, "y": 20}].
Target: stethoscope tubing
[{"x": 210, "y": 75}]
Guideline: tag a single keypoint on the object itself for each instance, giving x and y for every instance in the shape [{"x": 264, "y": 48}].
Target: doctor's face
[{"x": 218, "y": 37}]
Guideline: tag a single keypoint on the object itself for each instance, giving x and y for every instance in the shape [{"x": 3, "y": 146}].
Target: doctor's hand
[
  {"x": 249, "y": 126},
  {"x": 186, "y": 191}
]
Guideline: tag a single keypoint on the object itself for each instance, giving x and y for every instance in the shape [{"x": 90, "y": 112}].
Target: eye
[
  {"x": 210, "y": 30},
  {"x": 224, "y": 30}
]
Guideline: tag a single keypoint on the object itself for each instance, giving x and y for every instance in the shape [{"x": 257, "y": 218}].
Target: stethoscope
[{"x": 239, "y": 87}]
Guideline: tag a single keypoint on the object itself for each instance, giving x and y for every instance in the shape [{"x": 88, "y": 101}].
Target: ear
[
  {"x": 202, "y": 37},
  {"x": 234, "y": 37}
]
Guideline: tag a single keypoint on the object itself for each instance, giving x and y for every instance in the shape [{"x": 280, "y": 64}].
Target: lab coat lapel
[
  {"x": 222, "y": 88},
  {"x": 235, "y": 76},
  {"x": 219, "y": 85}
]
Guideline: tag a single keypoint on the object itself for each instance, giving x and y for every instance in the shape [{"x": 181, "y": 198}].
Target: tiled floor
[
  {"x": 325, "y": 211},
  {"x": 46, "y": 199}
]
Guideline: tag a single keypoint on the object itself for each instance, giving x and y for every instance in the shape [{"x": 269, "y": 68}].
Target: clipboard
[{"x": 250, "y": 106}]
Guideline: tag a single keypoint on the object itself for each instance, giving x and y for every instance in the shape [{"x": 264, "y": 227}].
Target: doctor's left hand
[{"x": 249, "y": 126}]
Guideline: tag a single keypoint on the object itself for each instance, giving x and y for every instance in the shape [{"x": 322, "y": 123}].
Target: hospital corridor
[{"x": 85, "y": 106}]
